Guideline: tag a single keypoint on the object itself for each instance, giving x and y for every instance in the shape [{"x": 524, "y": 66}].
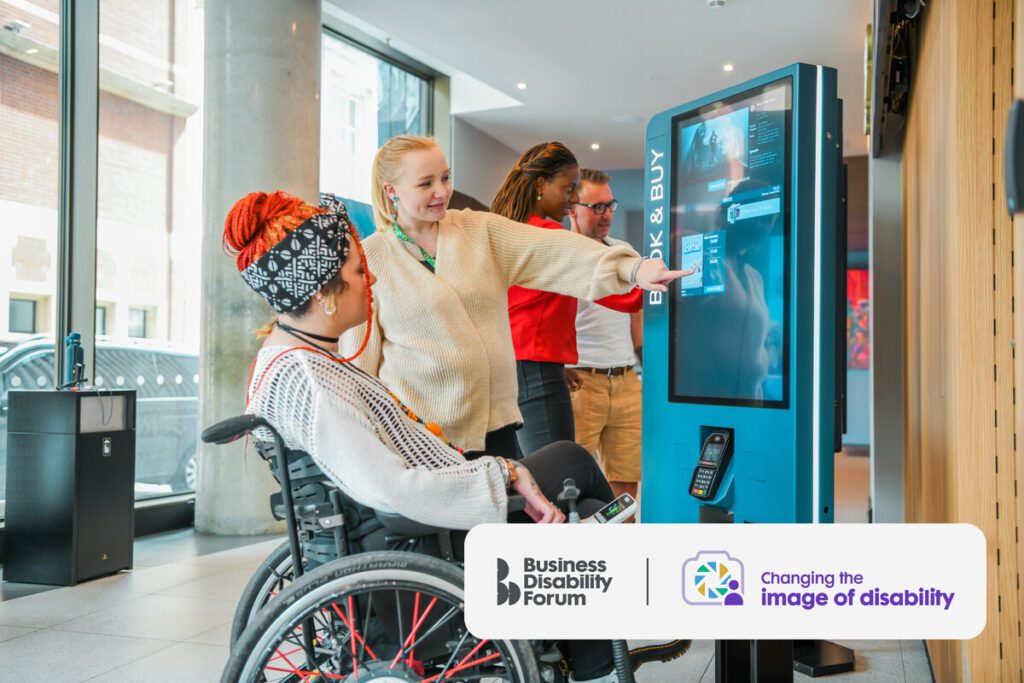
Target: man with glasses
[{"x": 607, "y": 400}]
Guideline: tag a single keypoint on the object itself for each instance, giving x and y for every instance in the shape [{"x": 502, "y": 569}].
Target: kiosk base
[
  {"x": 753, "y": 661},
  {"x": 821, "y": 658},
  {"x": 774, "y": 661}
]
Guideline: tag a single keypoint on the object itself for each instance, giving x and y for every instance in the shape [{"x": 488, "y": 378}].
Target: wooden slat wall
[
  {"x": 1009, "y": 597},
  {"x": 962, "y": 460}
]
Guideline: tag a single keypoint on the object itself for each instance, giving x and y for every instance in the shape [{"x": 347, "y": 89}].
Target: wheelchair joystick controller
[{"x": 571, "y": 494}]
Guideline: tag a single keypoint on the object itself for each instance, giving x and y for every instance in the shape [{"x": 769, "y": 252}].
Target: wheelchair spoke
[
  {"x": 415, "y": 616},
  {"x": 352, "y": 640},
  {"x": 281, "y": 655},
  {"x": 455, "y": 653},
  {"x": 462, "y": 665},
  {"x": 398, "y": 609},
  {"x": 366, "y": 622},
  {"x": 445, "y": 618},
  {"x": 417, "y": 622},
  {"x": 354, "y": 634},
  {"x": 293, "y": 669}
]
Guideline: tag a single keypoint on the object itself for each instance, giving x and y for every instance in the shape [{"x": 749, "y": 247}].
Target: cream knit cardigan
[{"x": 442, "y": 342}]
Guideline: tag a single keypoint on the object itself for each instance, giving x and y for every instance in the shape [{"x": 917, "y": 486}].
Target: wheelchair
[{"x": 359, "y": 594}]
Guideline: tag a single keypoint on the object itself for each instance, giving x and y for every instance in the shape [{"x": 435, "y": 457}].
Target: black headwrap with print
[{"x": 298, "y": 266}]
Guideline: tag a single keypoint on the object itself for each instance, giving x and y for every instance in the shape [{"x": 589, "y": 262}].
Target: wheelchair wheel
[
  {"x": 393, "y": 616},
  {"x": 270, "y": 578}
]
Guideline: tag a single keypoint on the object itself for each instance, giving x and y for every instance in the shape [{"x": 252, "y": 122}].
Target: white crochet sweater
[{"x": 372, "y": 450}]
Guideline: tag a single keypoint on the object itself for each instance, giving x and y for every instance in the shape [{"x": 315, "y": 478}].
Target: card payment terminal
[{"x": 714, "y": 458}]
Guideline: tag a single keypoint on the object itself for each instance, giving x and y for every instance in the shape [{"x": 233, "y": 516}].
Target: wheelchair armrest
[
  {"x": 230, "y": 429},
  {"x": 516, "y": 503}
]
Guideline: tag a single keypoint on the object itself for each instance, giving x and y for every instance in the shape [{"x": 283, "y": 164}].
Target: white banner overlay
[{"x": 726, "y": 581}]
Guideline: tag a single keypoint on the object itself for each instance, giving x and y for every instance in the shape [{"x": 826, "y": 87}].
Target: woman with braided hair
[
  {"x": 308, "y": 263},
  {"x": 440, "y": 334},
  {"x": 538, "y": 191}
]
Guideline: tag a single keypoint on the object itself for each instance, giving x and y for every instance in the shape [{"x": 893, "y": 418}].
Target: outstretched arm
[{"x": 568, "y": 263}]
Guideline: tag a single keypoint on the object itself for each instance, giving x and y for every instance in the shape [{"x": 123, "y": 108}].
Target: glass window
[
  {"x": 150, "y": 224},
  {"x": 138, "y": 322},
  {"x": 364, "y": 101},
  {"x": 29, "y": 118},
  {"x": 101, "y": 320},
  {"x": 23, "y": 315}
]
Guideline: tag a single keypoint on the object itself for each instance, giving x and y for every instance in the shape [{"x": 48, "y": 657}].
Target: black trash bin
[{"x": 70, "y": 511}]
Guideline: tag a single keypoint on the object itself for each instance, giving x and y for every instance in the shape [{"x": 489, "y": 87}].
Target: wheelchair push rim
[
  {"x": 347, "y": 601},
  {"x": 272, "y": 576}
]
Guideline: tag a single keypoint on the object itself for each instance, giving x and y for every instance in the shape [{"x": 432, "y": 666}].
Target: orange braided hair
[{"x": 259, "y": 220}]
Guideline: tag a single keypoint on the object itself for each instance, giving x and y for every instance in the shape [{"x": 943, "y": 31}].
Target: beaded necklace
[
  {"x": 431, "y": 427},
  {"x": 400, "y": 234}
]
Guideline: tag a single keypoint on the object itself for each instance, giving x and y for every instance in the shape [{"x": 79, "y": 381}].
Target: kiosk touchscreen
[
  {"x": 739, "y": 364},
  {"x": 727, "y": 328}
]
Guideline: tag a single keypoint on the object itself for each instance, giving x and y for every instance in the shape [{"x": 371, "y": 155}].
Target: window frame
[{"x": 362, "y": 41}]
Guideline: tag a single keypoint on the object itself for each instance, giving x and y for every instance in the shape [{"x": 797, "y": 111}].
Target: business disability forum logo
[
  {"x": 560, "y": 582},
  {"x": 713, "y": 577}
]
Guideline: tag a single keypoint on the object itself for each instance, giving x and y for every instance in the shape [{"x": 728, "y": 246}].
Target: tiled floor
[
  {"x": 169, "y": 619},
  {"x": 876, "y": 661}
]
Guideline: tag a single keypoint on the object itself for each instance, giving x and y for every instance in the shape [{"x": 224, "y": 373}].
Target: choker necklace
[{"x": 305, "y": 336}]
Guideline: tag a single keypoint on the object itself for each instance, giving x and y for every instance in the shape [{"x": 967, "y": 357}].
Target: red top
[{"x": 544, "y": 323}]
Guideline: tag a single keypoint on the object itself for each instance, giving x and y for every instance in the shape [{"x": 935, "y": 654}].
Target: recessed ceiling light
[
  {"x": 727, "y": 67},
  {"x": 31, "y": 51},
  {"x": 521, "y": 85},
  {"x": 595, "y": 146}
]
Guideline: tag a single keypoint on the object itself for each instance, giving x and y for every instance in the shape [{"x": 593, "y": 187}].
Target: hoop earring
[{"x": 329, "y": 304}]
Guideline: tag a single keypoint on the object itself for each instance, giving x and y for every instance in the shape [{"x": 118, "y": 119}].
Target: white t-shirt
[{"x": 603, "y": 338}]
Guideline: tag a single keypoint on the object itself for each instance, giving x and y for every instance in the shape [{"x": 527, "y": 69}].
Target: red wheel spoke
[
  {"x": 355, "y": 657},
  {"x": 415, "y": 627},
  {"x": 293, "y": 669},
  {"x": 463, "y": 665},
  {"x": 352, "y": 630},
  {"x": 280, "y": 654},
  {"x": 415, "y": 618}
]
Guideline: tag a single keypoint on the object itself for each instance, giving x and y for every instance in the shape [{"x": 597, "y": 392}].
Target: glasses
[{"x": 601, "y": 207}]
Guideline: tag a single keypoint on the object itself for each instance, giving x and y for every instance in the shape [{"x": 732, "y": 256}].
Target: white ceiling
[{"x": 597, "y": 70}]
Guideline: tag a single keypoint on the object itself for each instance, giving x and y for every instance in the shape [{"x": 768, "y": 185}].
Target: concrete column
[{"x": 261, "y": 132}]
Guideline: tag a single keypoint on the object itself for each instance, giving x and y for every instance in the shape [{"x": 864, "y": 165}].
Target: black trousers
[
  {"x": 501, "y": 442},
  {"x": 545, "y": 404}
]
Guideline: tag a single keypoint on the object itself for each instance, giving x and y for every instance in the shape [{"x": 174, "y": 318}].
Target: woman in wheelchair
[{"x": 307, "y": 262}]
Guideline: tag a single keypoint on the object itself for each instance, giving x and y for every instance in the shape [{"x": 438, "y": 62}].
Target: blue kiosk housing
[{"x": 743, "y": 372}]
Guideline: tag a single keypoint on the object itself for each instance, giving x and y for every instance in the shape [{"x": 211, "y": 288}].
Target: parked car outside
[{"x": 166, "y": 381}]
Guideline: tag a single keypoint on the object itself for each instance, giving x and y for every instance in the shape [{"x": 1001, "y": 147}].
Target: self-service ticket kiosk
[{"x": 742, "y": 394}]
